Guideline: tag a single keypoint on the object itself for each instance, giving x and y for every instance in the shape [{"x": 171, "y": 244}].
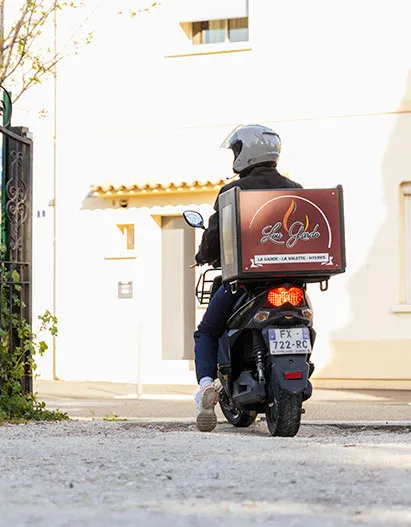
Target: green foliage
[
  {"x": 28, "y": 49},
  {"x": 17, "y": 358},
  {"x": 113, "y": 417},
  {"x": 28, "y": 54}
]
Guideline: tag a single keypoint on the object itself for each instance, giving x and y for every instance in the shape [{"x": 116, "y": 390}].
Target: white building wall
[{"x": 332, "y": 79}]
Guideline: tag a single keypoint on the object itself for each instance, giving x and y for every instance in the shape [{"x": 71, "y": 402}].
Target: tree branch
[
  {"x": 43, "y": 70},
  {"x": 21, "y": 65},
  {"x": 27, "y": 40},
  {"x": 24, "y": 64}
]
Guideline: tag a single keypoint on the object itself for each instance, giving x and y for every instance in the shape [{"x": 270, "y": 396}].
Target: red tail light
[
  {"x": 293, "y": 375},
  {"x": 281, "y": 295}
]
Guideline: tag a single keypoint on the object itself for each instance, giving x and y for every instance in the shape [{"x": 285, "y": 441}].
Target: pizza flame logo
[
  {"x": 295, "y": 229},
  {"x": 291, "y": 210}
]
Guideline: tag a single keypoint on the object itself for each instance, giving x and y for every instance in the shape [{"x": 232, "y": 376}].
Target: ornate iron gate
[{"x": 16, "y": 236}]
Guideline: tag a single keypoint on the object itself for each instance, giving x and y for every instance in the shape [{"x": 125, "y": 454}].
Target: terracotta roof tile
[{"x": 110, "y": 189}]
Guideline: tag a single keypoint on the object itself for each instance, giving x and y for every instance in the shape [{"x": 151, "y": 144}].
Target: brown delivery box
[{"x": 273, "y": 233}]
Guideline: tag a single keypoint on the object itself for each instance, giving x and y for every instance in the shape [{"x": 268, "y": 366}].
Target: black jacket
[{"x": 257, "y": 178}]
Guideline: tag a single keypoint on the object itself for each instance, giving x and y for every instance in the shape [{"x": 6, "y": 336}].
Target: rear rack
[{"x": 207, "y": 284}]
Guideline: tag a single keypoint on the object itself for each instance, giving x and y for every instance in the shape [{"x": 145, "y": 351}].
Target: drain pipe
[{"x": 54, "y": 203}]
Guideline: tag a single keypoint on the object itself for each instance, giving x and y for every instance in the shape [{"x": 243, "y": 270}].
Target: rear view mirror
[{"x": 194, "y": 219}]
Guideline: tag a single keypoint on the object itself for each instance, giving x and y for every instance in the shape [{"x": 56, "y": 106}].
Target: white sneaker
[{"x": 206, "y": 400}]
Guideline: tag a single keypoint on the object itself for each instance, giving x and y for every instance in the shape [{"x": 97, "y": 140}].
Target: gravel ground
[{"x": 102, "y": 474}]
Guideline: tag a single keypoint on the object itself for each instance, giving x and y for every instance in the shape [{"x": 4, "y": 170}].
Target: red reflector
[
  {"x": 281, "y": 295},
  {"x": 293, "y": 375}
]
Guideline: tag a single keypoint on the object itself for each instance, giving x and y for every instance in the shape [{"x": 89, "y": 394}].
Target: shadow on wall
[
  {"x": 154, "y": 204},
  {"x": 375, "y": 342}
]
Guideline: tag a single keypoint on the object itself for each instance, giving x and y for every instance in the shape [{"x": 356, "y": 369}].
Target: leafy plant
[
  {"x": 113, "y": 417},
  {"x": 18, "y": 348}
]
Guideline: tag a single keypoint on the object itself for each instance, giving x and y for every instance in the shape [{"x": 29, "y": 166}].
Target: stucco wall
[{"x": 332, "y": 79}]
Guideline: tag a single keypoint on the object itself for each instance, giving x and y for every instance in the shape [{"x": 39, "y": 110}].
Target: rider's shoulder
[{"x": 234, "y": 183}]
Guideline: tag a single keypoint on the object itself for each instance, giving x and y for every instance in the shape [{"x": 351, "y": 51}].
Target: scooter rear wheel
[
  {"x": 234, "y": 415},
  {"x": 284, "y": 419}
]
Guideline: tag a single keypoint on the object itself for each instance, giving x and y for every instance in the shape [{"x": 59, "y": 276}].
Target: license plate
[{"x": 289, "y": 340}]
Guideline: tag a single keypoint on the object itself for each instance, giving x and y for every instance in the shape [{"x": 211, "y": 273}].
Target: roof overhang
[{"x": 110, "y": 190}]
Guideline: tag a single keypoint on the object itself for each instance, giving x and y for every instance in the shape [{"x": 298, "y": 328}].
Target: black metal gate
[{"x": 16, "y": 237}]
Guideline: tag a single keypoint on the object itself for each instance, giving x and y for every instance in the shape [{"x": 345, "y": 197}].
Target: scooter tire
[
  {"x": 284, "y": 420},
  {"x": 234, "y": 415}
]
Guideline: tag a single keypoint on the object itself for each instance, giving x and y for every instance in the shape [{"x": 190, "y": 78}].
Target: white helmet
[{"x": 253, "y": 144}]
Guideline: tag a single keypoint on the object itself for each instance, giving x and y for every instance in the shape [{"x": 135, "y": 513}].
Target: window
[
  {"x": 128, "y": 232},
  {"x": 219, "y": 31},
  {"x": 238, "y": 29},
  {"x": 120, "y": 242}
]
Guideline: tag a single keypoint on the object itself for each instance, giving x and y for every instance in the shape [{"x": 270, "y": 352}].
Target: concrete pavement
[
  {"x": 167, "y": 403},
  {"x": 142, "y": 472},
  {"x": 124, "y": 474}
]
